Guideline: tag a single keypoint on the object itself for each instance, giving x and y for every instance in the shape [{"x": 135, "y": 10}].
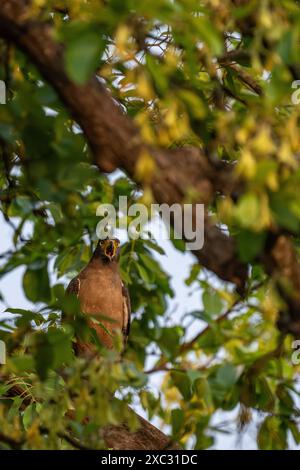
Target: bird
[{"x": 102, "y": 293}]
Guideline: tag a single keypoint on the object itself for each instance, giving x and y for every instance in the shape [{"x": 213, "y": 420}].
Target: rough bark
[{"x": 147, "y": 437}]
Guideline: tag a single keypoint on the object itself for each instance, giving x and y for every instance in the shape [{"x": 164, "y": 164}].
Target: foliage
[{"x": 215, "y": 74}]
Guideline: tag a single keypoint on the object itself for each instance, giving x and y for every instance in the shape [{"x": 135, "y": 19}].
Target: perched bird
[{"x": 102, "y": 294}]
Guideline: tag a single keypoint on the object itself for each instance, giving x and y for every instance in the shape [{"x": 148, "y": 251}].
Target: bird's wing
[
  {"x": 126, "y": 312},
  {"x": 74, "y": 286}
]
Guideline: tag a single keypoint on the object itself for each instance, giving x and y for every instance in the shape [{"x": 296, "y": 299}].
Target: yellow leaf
[
  {"x": 225, "y": 210},
  {"x": 265, "y": 18},
  {"x": 145, "y": 167},
  {"x": 270, "y": 307},
  {"x": 194, "y": 103},
  {"x": 147, "y": 132},
  {"x": 253, "y": 211},
  {"x": 172, "y": 395},
  {"x": 242, "y": 135},
  {"x": 164, "y": 138},
  {"x": 144, "y": 88},
  {"x": 265, "y": 216},
  {"x": 285, "y": 154},
  {"x": 121, "y": 39},
  {"x": 272, "y": 180},
  {"x": 147, "y": 197},
  {"x": 33, "y": 435},
  {"x": 171, "y": 115},
  {"x": 246, "y": 166},
  {"x": 262, "y": 143}
]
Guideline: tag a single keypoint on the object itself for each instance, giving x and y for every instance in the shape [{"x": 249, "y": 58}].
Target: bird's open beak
[{"x": 110, "y": 250}]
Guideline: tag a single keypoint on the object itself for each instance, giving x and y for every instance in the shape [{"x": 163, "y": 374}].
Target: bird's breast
[{"x": 101, "y": 295}]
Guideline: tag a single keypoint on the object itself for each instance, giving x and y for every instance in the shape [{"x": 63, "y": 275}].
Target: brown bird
[{"x": 102, "y": 294}]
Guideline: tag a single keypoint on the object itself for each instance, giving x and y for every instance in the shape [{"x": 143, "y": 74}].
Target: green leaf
[
  {"x": 209, "y": 34},
  {"x": 177, "y": 420},
  {"x": 29, "y": 415},
  {"x": 14, "y": 409},
  {"x": 157, "y": 73},
  {"x": 36, "y": 284},
  {"x": 154, "y": 246},
  {"x": 24, "y": 363},
  {"x": 250, "y": 244},
  {"x": 248, "y": 210},
  {"x": 226, "y": 376},
  {"x": 204, "y": 394},
  {"x": 183, "y": 383},
  {"x": 83, "y": 54},
  {"x": 61, "y": 343},
  {"x": 145, "y": 276},
  {"x": 265, "y": 396},
  {"x": 169, "y": 340},
  {"x": 26, "y": 316},
  {"x": 44, "y": 355},
  {"x": 195, "y": 271},
  {"x": 212, "y": 302},
  {"x": 293, "y": 427},
  {"x": 271, "y": 435},
  {"x": 222, "y": 380},
  {"x": 287, "y": 47},
  {"x": 149, "y": 263},
  {"x": 281, "y": 206}
]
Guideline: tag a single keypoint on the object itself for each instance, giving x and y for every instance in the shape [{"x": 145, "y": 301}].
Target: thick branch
[{"x": 147, "y": 437}]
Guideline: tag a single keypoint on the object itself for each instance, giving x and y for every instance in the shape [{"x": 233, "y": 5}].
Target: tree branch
[
  {"x": 116, "y": 142},
  {"x": 147, "y": 437}
]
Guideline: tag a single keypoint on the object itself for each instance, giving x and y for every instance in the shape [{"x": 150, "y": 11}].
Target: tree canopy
[{"x": 194, "y": 101}]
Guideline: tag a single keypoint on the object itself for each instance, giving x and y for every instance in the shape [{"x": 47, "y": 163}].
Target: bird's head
[{"x": 109, "y": 248}]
